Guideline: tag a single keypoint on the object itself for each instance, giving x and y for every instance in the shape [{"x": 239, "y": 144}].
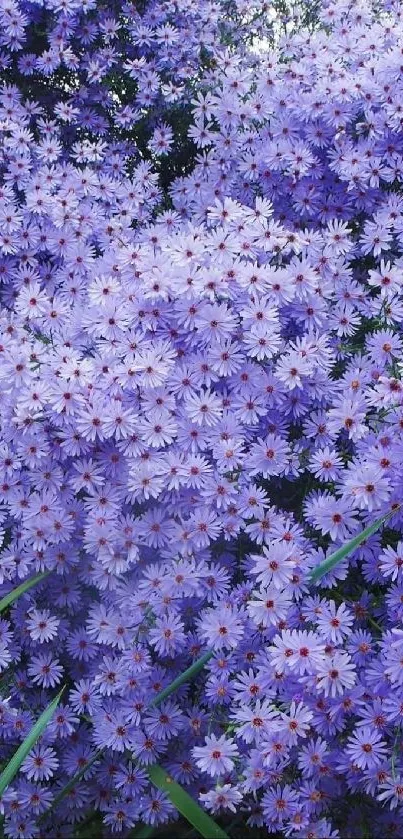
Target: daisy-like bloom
[
  {"x": 280, "y": 803},
  {"x": 84, "y": 697},
  {"x": 41, "y": 763},
  {"x": 121, "y": 815},
  {"x": 217, "y": 756},
  {"x": 167, "y": 636},
  {"x": 63, "y": 722},
  {"x": 37, "y": 798},
  {"x": 311, "y": 756},
  {"x": 130, "y": 778},
  {"x": 296, "y": 722},
  {"x": 335, "y": 622},
  {"x": 269, "y": 607},
  {"x": 391, "y": 562},
  {"x": 335, "y": 675},
  {"x": 275, "y": 565},
  {"x": 387, "y": 277},
  {"x": 224, "y": 797},
  {"x": 308, "y": 650},
  {"x": 156, "y": 808},
  {"x": 114, "y": 732},
  {"x": 45, "y": 670},
  {"x": 366, "y": 747},
  {"x": 268, "y": 457},
  {"x": 391, "y": 791},
  {"x": 221, "y": 628},
  {"x": 146, "y": 749},
  {"x": 326, "y": 464},
  {"x": 203, "y": 409},
  {"x": 164, "y": 722},
  {"x": 262, "y": 341},
  {"x": 292, "y": 369},
  {"x": 257, "y": 721},
  {"x": 331, "y": 515},
  {"x": 91, "y": 421},
  {"x": 42, "y": 626},
  {"x": 32, "y": 301},
  {"x": 367, "y": 486}
]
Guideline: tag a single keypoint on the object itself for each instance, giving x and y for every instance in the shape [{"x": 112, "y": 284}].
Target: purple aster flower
[
  {"x": 146, "y": 749},
  {"x": 366, "y": 747},
  {"x": 255, "y": 722},
  {"x": 391, "y": 791},
  {"x": 129, "y": 778},
  {"x": 311, "y": 757},
  {"x": 40, "y": 764},
  {"x": 164, "y": 722},
  {"x": 167, "y": 636},
  {"x": 334, "y": 623},
  {"x": 296, "y": 722},
  {"x": 121, "y": 815},
  {"x": 279, "y": 804},
  {"x": 336, "y": 674},
  {"x": 221, "y": 628},
  {"x": 216, "y": 757},
  {"x": 221, "y": 798},
  {"x": 45, "y": 670},
  {"x": 156, "y": 808}
]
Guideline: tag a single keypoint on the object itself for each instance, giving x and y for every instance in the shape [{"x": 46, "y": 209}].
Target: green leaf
[
  {"x": 72, "y": 782},
  {"x": 21, "y": 589},
  {"x": 346, "y": 549},
  {"x": 186, "y": 676},
  {"x": 194, "y": 814},
  {"x": 23, "y": 750}
]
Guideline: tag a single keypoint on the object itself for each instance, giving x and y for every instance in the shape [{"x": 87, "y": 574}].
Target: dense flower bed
[{"x": 201, "y": 262}]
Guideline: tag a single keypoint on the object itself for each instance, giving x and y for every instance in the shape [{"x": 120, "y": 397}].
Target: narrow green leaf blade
[
  {"x": 21, "y": 589},
  {"x": 186, "y": 676},
  {"x": 194, "y": 814},
  {"x": 72, "y": 782},
  {"x": 23, "y": 750},
  {"x": 346, "y": 549}
]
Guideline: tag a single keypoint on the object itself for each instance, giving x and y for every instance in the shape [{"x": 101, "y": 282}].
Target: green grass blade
[
  {"x": 72, "y": 782},
  {"x": 192, "y": 812},
  {"x": 186, "y": 676},
  {"x": 346, "y": 549},
  {"x": 21, "y": 589},
  {"x": 24, "y": 749}
]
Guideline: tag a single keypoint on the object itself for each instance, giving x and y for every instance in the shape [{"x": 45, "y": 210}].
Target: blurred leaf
[{"x": 143, "y": 831}]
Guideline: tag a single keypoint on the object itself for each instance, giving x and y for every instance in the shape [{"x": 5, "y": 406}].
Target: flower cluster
[{"x": 201, "y": 267}]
